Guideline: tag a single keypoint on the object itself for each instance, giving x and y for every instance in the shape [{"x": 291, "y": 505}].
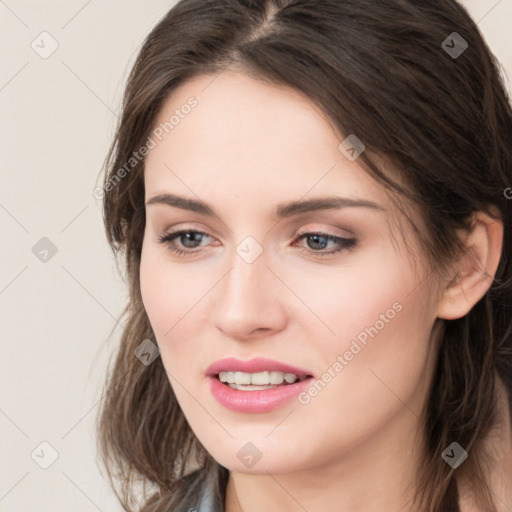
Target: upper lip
[{"x": 259, "y": 364}]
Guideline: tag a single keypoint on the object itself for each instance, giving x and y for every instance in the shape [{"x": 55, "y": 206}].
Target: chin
[{"x": 259, "y": 456}]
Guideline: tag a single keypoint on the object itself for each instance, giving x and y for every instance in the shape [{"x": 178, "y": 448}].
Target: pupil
[
  {"x": 316, "y": 238},
  {"x": 191, "y": 237}
]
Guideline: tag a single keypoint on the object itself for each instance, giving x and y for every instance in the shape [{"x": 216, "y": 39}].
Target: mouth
[
  {"x": 255, "y": 386},
  {"x": 259, "y": 381}
]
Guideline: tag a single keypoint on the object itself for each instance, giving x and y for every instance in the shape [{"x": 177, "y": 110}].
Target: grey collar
[{"x": 209, "y": 500}]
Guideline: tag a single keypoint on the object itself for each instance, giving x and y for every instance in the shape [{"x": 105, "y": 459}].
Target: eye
[
  {"x": 322, "y": 239},
  {"x": 169, "y": 239},
  {"x": 191, "y": 239}
]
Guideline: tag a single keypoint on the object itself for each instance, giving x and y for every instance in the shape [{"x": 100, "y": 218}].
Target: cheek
[
  {"x": 350, "y": 299},
  {"x": 176, "y": 302},
  {"x": 382, "y": 363},
  {"x": 157, "y": 295},
  {"x": 365, "y": 387},
  {"x": 380, "y": 350},
  {"x": 167, "y": 291}
]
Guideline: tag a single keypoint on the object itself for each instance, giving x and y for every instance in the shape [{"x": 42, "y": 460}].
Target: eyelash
[{"x": 345, "y": 243}]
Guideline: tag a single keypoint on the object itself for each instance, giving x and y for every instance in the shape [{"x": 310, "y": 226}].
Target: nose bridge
[
  {"x": 247, "y": 299},
  {"x": 246, "y": 281}
]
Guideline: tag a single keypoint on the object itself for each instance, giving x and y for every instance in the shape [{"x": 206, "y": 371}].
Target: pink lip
[
  {"x": 259, "y": 364},
  {"x": 254, "y": 401}
]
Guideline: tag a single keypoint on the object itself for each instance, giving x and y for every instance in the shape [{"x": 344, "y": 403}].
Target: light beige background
[{"x": 57, "y": 119}]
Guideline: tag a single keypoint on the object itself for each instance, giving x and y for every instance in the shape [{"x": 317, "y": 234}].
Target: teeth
[
  {"x": 257, "y": 379},
  {"x": 250, "y": 388},
  {"x": 276, "y": 377},
  {"x": 242, "y": 378}
]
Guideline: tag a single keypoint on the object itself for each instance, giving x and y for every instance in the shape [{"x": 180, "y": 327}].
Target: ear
[{"x": 475, "y": 270}]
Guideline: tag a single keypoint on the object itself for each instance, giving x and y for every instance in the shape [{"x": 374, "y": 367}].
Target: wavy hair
[{"x": 444, "y": 122}]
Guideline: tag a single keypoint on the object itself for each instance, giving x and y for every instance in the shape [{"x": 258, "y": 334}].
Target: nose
[{"x": 249, "y": 304}]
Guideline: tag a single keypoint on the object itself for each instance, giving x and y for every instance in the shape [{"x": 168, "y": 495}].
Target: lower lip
[{"x": 256, "y": 401}]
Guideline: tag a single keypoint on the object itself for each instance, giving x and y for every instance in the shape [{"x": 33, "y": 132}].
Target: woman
[{"x": 311, "y": 198}]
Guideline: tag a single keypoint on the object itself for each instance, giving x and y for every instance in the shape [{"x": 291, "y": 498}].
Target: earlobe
[{"x": 475, "y": 270}]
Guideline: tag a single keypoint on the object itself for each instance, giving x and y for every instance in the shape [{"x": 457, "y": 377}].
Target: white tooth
[
  {"x": 251, "y": 387},
  {"x": 266, "y": 378},
  {"x": 242, "y": 378},
  {"x": 276, "y": 377},
  {"x": 260, "y": 378}
]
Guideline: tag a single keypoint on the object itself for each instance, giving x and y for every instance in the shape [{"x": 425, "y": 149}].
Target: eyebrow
[{"x": 281, "y": 210}]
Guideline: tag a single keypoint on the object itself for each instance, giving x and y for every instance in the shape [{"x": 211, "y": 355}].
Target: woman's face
[{"x": 354, "y": 326}]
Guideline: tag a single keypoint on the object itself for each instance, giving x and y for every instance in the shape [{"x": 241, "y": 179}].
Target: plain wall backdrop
[{"x": 60, "y": 292}]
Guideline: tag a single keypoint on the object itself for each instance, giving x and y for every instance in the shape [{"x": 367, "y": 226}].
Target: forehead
[{"x": 261, "y": 140}]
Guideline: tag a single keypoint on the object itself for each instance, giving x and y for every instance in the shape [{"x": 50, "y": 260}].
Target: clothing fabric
[
  {"x": 210, "y": 493},
  {"x": 201, "y": 495},
  {"x": 207, "y": 501}
]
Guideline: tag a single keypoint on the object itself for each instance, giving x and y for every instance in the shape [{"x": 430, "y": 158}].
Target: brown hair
[{"x": 378, "y": 70}]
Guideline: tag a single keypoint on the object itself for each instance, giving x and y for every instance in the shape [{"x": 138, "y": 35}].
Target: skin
[{"x": 247, "y": 146}]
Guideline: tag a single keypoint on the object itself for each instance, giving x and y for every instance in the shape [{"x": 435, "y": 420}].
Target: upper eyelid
[
  {"x": 307, "y": 229},
  {"x": 299, "y": 233}
]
